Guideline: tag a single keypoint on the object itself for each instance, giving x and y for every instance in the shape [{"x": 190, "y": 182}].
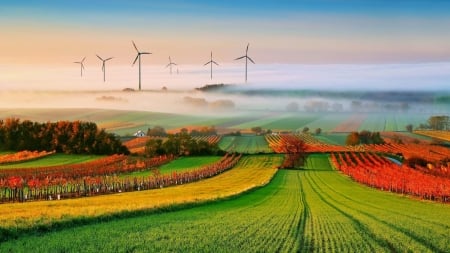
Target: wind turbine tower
[
  {"x": 170, "y": 65},
  {"x": 81, "y": 65},
  {"x": 211, "y": 62},
  {"x": 103, "y": 66},
  {"x": 138, "y": 56},
  {"x": 246, "y": 60}
]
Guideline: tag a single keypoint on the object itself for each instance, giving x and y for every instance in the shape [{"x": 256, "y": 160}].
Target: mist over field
[
  {"x": 404, "y": 77},
  {"x": 271, "y": 87}
]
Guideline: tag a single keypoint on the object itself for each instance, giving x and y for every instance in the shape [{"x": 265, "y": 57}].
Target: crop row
[
  {"x": 23, "y": 156},
  {"x": 442, "y": 135},
  {"x": 17, "y": 188},
  {"x": 311, "y": 210},
  {"x": 249, "y": 172},
  {"x": 245, "y": 144},
  {"x": 312, "y": 144},
  {"x": 376, "y": 171}
]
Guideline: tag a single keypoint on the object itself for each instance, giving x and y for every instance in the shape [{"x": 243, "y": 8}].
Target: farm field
[
  {"x": 53, "y": 160},
  {"x": 179, "y": 165},
  {"x": 124, "y": 122},
  {"x": 313, "y": 210},
  {"x": 247, "y": 144},
  {"x": 250, "y": 172}
]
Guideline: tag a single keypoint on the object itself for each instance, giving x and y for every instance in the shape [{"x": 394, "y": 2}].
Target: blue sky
[{"x": 305, "y": 31}]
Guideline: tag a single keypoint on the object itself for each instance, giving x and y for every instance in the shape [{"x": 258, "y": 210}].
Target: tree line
[
  {"x": 70, "y": 137},
  {"x": 364, "y": 137}
]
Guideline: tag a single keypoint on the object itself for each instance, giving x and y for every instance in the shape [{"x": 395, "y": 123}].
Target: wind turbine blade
[
  {"x": 83, "y": 59},
  {"x": 167, "y": 65},
  {"x": 99, "y": 57},
  {"x": 109, "y": 58},
  {"x": 82, "y": 66},
  {"x": 207, "y": 63},
  {"x": 215, "y": 63},
  {"x": 247, "y": 48},
  {"x": 145, "y": 53},
  {"x": 250, "y": 60},
  {"x": 77, "y": 62},
  {"x": 242, "y": 57},
  {"x": 137, "y": 56},
  {"x": 173, "y": 63},
  {"x": 135, "y": 47}
]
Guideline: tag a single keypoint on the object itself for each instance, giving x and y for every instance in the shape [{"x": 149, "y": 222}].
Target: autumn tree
[
  {"x": 439, "y": 122},
  {"x": 295, "y": 150},
  {"x": 409, "y": 128},
  {"x": 352, "y": 139}
]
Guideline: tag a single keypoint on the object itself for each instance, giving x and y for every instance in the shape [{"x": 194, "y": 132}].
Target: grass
[
  {"x": 312, "y": 210},
  {"x": 250, "y": 172},
  {"x": 248, "y": 144},
  {"x": 332, "y": 138},
  {"x": 179, "y": 165},
  {"x": 53, "y": 160}
]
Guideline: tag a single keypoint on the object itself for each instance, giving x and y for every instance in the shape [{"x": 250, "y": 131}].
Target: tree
[
  {"x": 295, "y": 150},
  {"x": 318, "y": 131},
  {"x": 154, "y": 147},
  {"x": 409, "y": 127},
  {"x": 305, "y": 130},
  {"x": 352, "y": 139},
  {"x": 256, "y": 130},
  {"x": 439, "y": 122},
  {"x": 156, "y": 131}
]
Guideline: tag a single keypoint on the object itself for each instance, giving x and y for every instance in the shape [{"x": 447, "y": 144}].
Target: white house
[{"x": 139, "y": 133}]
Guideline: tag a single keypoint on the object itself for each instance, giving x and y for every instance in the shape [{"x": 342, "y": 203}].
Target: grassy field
[
  {"x": 248, "y": 144},
  {"x": 179, "y": 165},
  {"x": 53, "y": 160},
  {"x": 124, "y": 122},
  {"x": 250, "y": 172},
  {"x": 312, "y": 210},
  {"x": 332, "y": 138}
]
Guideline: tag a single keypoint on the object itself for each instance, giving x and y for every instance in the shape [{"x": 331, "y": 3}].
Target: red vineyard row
[
  {"x": 23, "y": 156},
  {"x": 18, "y": 189},
  {"x": 431, "y": 153},
  {"x": 378, "y": 172},
  {"x": 114, "y": 164}
]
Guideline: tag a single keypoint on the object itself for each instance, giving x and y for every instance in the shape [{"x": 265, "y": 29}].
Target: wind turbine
[
  {"x": 170, "y": 65},
  {"x": 211, "y": 62},
  {"x": 81, "y": 65},
  {"x": 103, "y": 65},
  {"x": 246, "y": 60},
  {"x": 139, "y": 53}
]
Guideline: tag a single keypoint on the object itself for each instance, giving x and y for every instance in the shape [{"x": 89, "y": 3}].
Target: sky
[{"x": 40, "y": 40}]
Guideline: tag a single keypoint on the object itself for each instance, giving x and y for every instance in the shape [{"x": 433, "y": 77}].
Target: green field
[
  {"x": 53, "y": 160},
  {"x": 179, "y": 165},
  {"x": 312, "y": 210},
  {"x": 332, "y": 138},
  {"x": 125, "y": 122},
  {"x": 248, "y": 144}
]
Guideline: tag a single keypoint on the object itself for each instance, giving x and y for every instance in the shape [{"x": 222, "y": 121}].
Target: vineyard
[
  {"x": 314, "y": 210},
  {"x": 23, "y": 156},
  {"x": 379, "y": 172},
  {"x": 97, "y": 178},
  {"x": 250, "y": 172},
  {"x": 391, "y": 197}
]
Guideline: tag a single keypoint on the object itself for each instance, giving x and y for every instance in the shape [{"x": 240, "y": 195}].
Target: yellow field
[
  {"x": 250, "y": 172},
  {"x": 442, "y": 135}
]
